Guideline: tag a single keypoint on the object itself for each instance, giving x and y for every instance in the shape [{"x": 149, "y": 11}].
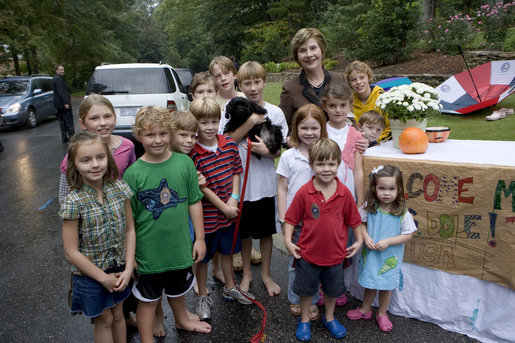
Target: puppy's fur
[{"x": 239, "y": 109}]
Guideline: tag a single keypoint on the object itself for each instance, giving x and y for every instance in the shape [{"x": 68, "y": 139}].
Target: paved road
[{"x": 35, "y": 275}]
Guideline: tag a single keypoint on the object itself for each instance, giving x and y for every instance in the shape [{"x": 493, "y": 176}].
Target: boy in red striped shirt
[{"x": 217, "y": 158}]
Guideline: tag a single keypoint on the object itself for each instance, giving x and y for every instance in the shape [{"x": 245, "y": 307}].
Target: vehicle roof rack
[{"x": 105, "y": 63}]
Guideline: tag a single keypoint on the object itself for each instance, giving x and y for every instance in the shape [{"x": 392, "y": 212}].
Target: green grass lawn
[{"x": 468, "y": 126}]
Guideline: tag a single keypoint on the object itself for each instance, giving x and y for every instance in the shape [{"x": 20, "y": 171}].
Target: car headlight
[{"x": 14, "y": 108}]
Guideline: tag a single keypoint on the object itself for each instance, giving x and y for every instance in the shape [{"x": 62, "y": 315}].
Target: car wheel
[{"x": 32, "y": 118}]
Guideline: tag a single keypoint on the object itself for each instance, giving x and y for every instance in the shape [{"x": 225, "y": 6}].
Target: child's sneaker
[
  {"x": 236, "y": 294},
  {"x": 203, "y": 308}
]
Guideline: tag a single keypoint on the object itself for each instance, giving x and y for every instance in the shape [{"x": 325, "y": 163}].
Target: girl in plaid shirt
[{"x": 98, "y": 235}]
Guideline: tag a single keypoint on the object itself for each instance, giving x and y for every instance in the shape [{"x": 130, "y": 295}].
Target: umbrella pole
[{"x": 470, "y": 74}]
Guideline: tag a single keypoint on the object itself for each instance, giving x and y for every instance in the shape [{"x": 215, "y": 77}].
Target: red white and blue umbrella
[
  {"x": 386, "y": 84},
  {"x": 477, "y": 88}
]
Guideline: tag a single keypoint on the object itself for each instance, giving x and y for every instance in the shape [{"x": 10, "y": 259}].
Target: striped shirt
[
  {"x": 101, "y": 227},
  {"x": 218, "y": 168}
]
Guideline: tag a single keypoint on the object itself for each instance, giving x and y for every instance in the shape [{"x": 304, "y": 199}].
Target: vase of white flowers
[{"x": 408, "y": 106}]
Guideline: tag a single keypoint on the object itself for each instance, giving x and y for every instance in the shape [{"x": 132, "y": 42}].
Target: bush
[
  {"x": 273, "y": 67},
  {"x": 509, "y": 43},
  {"x": 495, "y": 20},
  {"x": 389, "y": 29},
  {"x": 266, "y": 42},
  {"x": 443, "y": 35},
  {"x": 329, "y": 63},
  {"x": 342, "y": 20},
  {"x": 383, "y": 31}
]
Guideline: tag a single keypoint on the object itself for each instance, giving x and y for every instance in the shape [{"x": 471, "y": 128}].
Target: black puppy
[{"x": 238, "y": 110}]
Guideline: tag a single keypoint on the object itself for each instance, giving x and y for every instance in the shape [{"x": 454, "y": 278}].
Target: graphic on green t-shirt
[{"x": 159, "y": 199}]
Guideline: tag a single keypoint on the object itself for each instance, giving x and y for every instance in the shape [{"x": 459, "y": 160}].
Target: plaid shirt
[{"x": 101, "y": 227}]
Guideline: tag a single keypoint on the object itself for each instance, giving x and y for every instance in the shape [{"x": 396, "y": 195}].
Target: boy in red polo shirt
[
  {"x": 218, "y": 159},
  {"x": 326, "y": 209}
]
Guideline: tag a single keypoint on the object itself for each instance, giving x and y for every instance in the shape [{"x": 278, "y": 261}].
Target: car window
[
  {"x": 36, "y": 84},
  {"x": 185, "y": 75},
  {"x": 47, "y": 85},
  {"x": 13, "y": 87},
  {"x": 171, "y": 81},
  {"x": 181, "y": 85},
  {"x": 129, "y": 81}
]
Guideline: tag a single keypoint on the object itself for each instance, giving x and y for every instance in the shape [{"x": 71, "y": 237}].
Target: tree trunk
[
  {"x": 16, "y": 62},
  {"x": 35, "y": 63},
  {"x": 264, "y": 7},
  {"x": 27, "y": 60},
  {"x": 290, "y": 24}
]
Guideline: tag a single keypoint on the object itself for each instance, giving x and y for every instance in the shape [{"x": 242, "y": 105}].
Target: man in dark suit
[{"x": 62, "y": 101}]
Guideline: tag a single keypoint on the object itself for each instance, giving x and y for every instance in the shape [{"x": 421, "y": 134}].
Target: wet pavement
[{"x": 35, "y": 274}]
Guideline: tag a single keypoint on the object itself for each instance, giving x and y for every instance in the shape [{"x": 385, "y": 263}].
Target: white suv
[{"x": 130, "y": 86}]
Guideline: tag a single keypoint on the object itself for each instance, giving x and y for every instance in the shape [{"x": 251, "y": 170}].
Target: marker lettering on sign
[
  {"x": 493, "y": 218},
  {"x": 501, "y": 187}
]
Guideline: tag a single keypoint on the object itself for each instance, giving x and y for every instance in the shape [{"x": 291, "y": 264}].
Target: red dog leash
[{"x": 260, "y": 336}]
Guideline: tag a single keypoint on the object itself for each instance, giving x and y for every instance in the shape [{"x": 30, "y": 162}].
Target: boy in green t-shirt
[{"x": 166, "y": 193}]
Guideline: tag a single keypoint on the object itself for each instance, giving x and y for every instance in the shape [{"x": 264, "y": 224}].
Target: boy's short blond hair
[
  {"x": 150, "y": 116},
  {"x": 224, "y": 63},
  {"x": 302, "y": 36},
  {"x": 359, "y": 67},
  {"x": 202, "y": 78},
  {"x": 205, "y": 108},
  {"x": 184, "y": 120},
  {"x": 251, "y": 70},
  {"x": 372, "y": 117},
  {"x": 324, "y": 149}
]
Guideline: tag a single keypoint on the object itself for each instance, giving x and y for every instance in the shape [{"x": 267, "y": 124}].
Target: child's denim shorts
[
  {"x": 91, "y": 298},
  {"x": 221, "y": 241},
  {"x": 308, "y": 276}
]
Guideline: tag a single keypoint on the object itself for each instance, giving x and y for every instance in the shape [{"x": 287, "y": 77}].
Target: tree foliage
[
  {"x": 383, "y": 31},
  {"x": 80, "y": 34}
]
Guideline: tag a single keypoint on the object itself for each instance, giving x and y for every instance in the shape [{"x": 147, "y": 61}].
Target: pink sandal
[
  {"x": 357, "y": 314},
  {"x": 384, "y": 323},
  {"x": 341, "y": 300},
  {"x": 321, "y": 301}
]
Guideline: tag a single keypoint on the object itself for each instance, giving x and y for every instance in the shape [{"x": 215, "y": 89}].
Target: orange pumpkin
[{"x": 413, "y": 141}]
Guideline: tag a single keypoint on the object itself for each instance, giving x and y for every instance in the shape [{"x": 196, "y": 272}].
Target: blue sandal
[
  {"x": 303, "y": 332},
  {"x": 336, "y": 329}
]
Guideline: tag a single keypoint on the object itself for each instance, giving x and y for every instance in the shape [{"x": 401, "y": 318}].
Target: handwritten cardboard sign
[{"x": 465, "y": 215}]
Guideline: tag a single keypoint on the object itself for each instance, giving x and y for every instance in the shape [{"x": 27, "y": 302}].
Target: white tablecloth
[
  {"x": 457, "y": 151},
  {"x": 480, "y": 309}
]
